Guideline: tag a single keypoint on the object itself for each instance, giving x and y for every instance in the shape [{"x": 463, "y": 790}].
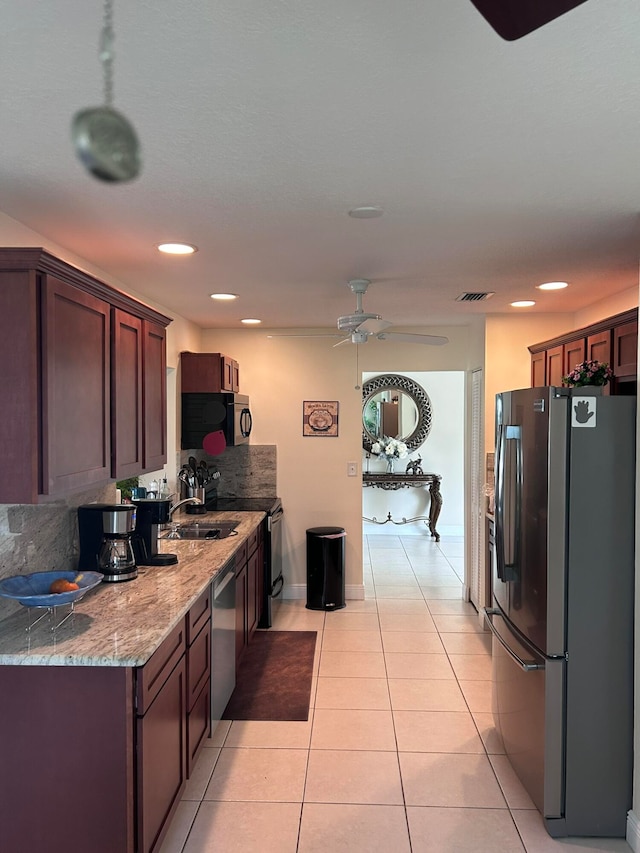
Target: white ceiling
[{"x": 499, "y": 165}]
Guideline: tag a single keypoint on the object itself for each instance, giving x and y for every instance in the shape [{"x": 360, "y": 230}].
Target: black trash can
[{"x": 325, "y": 568}]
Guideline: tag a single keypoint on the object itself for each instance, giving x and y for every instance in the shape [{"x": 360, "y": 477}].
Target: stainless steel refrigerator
[{"x": 562, "y": 615}]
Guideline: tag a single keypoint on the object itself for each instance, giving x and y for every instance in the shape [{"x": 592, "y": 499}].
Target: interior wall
[
  {"x": 607, "y": 307},
  {"x": 442, "y": 453},
  {"x": 279, "y": 374}
]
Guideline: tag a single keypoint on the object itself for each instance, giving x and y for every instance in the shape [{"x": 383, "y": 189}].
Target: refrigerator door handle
[
  {"x": 507, "y": 565},
  {"x": 499, "y": 507},
  {"x": 527, "y": 666}
]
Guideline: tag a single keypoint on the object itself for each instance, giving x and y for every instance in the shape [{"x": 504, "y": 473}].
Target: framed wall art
[{"x": 320, "y": 418}]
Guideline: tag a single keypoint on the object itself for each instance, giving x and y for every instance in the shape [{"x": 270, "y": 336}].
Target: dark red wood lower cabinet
[
  {"x": 198, "y": 726},
  {"x": 66, "y": 759},
  {"x": 161, "y": 747}
]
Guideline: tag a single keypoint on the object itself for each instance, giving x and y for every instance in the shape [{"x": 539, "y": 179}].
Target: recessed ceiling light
[
  {"x": 366, "y": 212},
  {"x": 177, "y": 248},
  {"x": 224, "y": 297},
  {"x": 523, "y": 303},
  {"x": 553, "y": 285},
  {"x": 250, "y": 321}
]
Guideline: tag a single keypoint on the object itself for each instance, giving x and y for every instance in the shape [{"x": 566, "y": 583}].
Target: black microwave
[{"x": 205, "y": 413}]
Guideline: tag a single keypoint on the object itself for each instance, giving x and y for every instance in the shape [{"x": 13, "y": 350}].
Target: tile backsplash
[
  {"x": 43, "y": 537},
  {"x": 246, "y": 471}
]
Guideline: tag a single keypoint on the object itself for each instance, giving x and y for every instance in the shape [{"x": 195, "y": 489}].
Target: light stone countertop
[{"x": 122, "y": 624}]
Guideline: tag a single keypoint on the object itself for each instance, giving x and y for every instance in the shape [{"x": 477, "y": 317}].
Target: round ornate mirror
[{"x": 395, "y": 406}]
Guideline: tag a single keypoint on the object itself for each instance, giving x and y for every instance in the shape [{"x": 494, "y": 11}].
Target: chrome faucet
[{"x": 182, "y": 502}]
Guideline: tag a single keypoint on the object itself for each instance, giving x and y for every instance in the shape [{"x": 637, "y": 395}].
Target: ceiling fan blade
[
  {"x": 343, "y": 341},
  {"x": 433, "y": 340},
  {"x": 513, "y": 19},
  {"x": 373, "y": 327},
  {"x": 296, "y": 335}
]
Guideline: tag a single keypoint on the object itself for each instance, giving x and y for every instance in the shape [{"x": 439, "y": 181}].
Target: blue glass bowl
[{"x": 33, "y": 590}]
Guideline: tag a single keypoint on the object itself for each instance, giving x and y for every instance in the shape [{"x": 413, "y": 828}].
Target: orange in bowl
[{"x": 62, "y": 585}]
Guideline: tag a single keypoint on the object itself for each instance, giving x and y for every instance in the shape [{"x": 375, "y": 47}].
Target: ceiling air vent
[{"x": 474, "y": 297}]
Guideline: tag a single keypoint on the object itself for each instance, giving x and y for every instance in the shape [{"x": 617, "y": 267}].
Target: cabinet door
[
  {"x": 67, "y": 783},
  {"x": 573, "y": 354},
  {"x": 76, "y": 414},
  {"x": 198, "y": 664},
  {"x": 19, "y": 388},
  {"x": 228, "y": 372},
  {"x": 154, "y": 673},
  {"x": 538, "y": 369},
  {"x": 161, "y": 759},
  {"x": 198, "y": 725},
  {"x": 241, "y": 610},
  {"x": 555, "y": 363},
  {"x": 204, "y": 373},
  {"x": 599, "y": 346},
  {"x": 625, "y": 350},
  {"x": 235, "y": 376},
  {"x": 126, "y": 394},
  {"x": 199, "y": 614},
  {"x": 154, "y": 396}
]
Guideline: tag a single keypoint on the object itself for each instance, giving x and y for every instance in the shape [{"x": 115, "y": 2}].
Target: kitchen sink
[{"x": 202, "y": 530}]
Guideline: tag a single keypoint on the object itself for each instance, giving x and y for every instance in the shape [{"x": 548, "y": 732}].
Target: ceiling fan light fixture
[
  {"x": 359, "y": 337},
  {"x": 177, "y": 248},
  {"x": 553, "y": 285}
]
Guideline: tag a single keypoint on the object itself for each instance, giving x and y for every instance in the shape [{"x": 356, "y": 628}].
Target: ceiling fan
[
  {"x": 513, "y": 19},
  {"x": 360, "y": 326}
]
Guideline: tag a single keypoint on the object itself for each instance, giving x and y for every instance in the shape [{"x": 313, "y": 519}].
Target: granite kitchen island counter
[{"x": 122, "y": 624}]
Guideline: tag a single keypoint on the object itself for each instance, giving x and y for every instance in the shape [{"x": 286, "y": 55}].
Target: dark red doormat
[{"x": 274, "y": 678}]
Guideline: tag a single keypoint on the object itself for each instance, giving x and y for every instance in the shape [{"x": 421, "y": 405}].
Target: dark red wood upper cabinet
[
  {"x": 539, "y": 369},
  {"x": 126, "y": 385},
  {"x": 625, "y": 349},
  {"x": 139, "y": 393},
  {"x": 208, "y": 372},
  {"x": 599, "y": 346},
  {"x": 154, "y": 396},
  {"x": 555, "y": 363},
  {"x": 573, "y": 354},
  {"x": 76, "y": 397},
  {"x": 83, "y": 384},
  {"x": 19, "y": 387},
  {"x": 613, "y": 339}
]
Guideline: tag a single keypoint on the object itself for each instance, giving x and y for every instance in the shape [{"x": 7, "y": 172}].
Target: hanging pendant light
[{"x": 104, "y": 139}]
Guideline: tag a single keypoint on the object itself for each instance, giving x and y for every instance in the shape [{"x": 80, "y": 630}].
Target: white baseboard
[
  {"x": 633, "y": 831},
  {"x": 295, "y": 591}
]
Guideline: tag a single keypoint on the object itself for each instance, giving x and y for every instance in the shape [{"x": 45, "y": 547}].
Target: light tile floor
[{"x": 399, "y": 754}]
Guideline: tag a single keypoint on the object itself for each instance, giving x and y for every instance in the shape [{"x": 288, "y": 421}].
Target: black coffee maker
[
  {"x": 106, "y": 533},
  {"x": 150, "y": 513}
]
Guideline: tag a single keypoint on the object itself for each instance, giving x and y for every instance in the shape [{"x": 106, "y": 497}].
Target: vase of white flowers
[{"x": 389, "y": 449}]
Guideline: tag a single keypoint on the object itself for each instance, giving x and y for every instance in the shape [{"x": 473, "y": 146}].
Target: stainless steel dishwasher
[{"x": 223, "y": 640}]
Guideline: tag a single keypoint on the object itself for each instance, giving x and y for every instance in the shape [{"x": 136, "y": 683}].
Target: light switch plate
[{"x": 352, "y": 469}]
